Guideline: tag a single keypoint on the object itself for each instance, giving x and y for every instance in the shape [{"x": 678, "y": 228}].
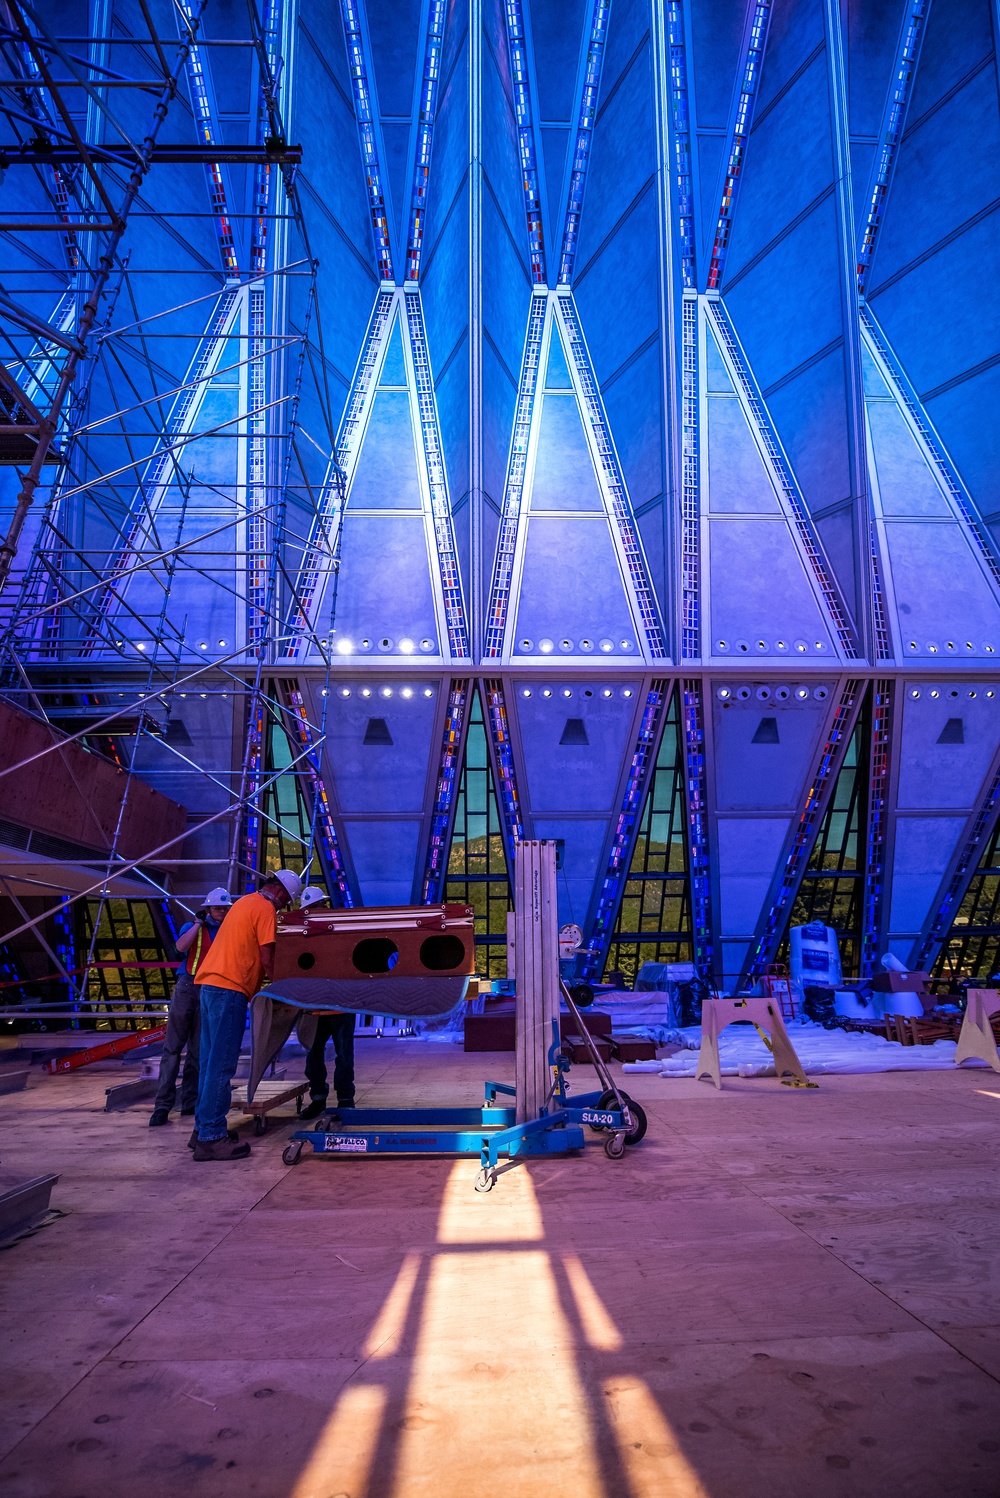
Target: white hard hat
[
  {"x": 311, "y": 895},
  {"x": 218, "y": 896},
  {"x": 291, "y": 881}
]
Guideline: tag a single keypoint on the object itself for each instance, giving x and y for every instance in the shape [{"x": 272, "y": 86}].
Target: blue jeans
[{"x": 223, "y": 1021}]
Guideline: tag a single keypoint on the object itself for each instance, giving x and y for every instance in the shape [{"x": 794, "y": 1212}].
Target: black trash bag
[{"x": 819, "y": 1004}]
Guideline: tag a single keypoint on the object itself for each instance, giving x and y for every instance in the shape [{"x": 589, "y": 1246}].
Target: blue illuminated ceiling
[{"x": 604, "y": 352}]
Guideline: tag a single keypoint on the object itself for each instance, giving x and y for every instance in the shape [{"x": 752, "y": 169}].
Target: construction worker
[
  {"x": 183, "y": 1021},
  {"x": 330, "y": 1025},
  {"x": 238, "y": 961}
]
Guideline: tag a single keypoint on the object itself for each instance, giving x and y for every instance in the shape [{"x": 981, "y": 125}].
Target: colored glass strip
[
  {"x": 901, "y": 388},
  {"x": 798, "y": 856},
  {"x": 892, "y": 130},
  {"x": 614, "y": 481},
  {"x": 695, "y": 783},
  {"x": 877, "y": 820},
  {"x": 444, "y": 530},
  {"x": 584, "y": 136},
  {"x": 258, "y": 560},
  {"x": 513, "y": 493},
  {"x": 518, "y": 49},
  {"x": 209, "y": 132},
  {"x": 883, "y": 639},
  {"x": 425, "y": 135},
  {"x": 330, "y": 853},
  {"x": 794, "y": 500},
  {"x": 367, "y": 133},
  {"x": 436, "y": 867},
  {"x": 968, "y": 862},
  {"x": 610, "y": 894},
  {"x": 263, "y": 172},
  {"x": 681, "y": 135},
  {"x": 503, "y": 753},
  {"x": 253, "y": 770},
  {"x": 690, "y": 485},
  {"x": 752, "y": 60}
]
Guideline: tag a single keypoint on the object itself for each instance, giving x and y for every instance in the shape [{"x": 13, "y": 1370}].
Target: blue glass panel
[
  {"x": 557, "y": 376},
  {"x": 564, "y": 477},
  {"x": 394, "y": 366},
  {"x": 386, "y": 475}
]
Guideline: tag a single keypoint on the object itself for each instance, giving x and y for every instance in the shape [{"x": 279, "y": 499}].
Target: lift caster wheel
[
  {"x": 292, "y": 1153},
  {"x": 614, "y": 1146},
  {"x": 637, "y": 1128},
  {"x": 260, "y": 1125},
  {"x": 486, "y": 1180}
]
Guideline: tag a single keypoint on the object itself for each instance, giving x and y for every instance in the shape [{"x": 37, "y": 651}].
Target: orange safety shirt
[{"x": 233, "y": 960}]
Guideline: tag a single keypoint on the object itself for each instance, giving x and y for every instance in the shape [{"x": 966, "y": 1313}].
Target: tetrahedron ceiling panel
[
  {"x": 393, "y": 608},
  {"x": 952, "y": 608},
  {"x": 566, "y": 528},
  {"x": 765, "y": 595}
]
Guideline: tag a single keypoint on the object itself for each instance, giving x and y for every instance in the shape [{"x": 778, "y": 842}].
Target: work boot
[
  {"x": 221, "y": 1149},
  {"x": 193, "y": 1141},
  {"x": 159, "y": 1116},
  {"x": 187, "y": 1113},
  {"x": 314, "y": 1109}
]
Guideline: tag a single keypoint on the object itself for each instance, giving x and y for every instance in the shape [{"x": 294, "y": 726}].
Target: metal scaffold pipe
[{"x": 48, "y": 425}]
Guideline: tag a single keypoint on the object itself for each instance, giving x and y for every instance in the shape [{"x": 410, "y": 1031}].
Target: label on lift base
[
  {"x": 594, "y": 1116},
  {"x": 345, "y": 1144}
]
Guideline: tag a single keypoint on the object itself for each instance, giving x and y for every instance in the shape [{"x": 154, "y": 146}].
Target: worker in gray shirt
[{"x": 184, "y": 1019}]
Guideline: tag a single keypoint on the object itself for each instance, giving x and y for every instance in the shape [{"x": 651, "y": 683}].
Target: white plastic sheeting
[{"x": 744, "y": 1054}]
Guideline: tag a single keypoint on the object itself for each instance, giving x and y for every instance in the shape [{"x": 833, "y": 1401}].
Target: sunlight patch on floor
[{"x": 342, "y": 1458}]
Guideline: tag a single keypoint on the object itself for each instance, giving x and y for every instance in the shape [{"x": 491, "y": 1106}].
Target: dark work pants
[
  {"x": 340, "y": 1029},
  {"x": 183, "y": 1029}
]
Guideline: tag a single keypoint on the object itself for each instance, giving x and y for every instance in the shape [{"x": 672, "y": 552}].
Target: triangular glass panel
[
  {"x": 557, "y": 375},
  {"x": 393, "y": 376},
  {"x": 953, "y": 732},
  {"x": 477, "y": 866},
  {"x": 949, "y": 607},
  {"x": 654, "y": 919},
  {"x": 563, "y": 477},
  {"x": 766, "y": 574}
]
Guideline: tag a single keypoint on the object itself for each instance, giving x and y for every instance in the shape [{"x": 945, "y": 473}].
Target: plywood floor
[{"x": 780, "y": 1294}]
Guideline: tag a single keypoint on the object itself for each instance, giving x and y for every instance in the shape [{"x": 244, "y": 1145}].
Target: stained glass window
[
  {"x": 973, "y": 946},
  {"x": 128, "y": 931},
  {"x": 654, "y": 921},
  {"x": 477, "y": 867},
  {"x": 284, "y": 834},
  {"x": 831, "y": 887}
]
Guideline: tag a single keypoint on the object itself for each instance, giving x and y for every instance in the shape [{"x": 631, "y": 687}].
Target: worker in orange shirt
[{"x": 231, "y": 972}]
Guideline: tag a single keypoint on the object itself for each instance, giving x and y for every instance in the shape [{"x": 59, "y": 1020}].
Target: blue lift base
[{"x": 491, "y": 1132}]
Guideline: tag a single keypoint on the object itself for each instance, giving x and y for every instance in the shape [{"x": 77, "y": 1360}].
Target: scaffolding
[{"x": 169, "y": 476}]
